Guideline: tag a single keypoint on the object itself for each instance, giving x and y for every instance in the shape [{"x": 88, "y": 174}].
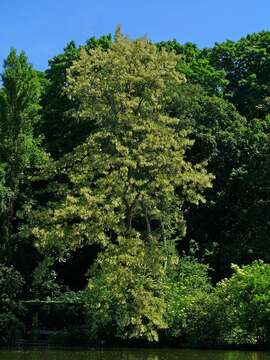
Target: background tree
[
  {"x": 235, "y": 215},
  {"x": 19, "y": 149},
  {"x": 246, "y": 64},
  {"x": 62, "y": 131},
  {"x": 197, "y": 67}
]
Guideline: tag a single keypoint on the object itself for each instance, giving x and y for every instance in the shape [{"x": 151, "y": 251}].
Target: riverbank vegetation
[{"x": 134, "y": 194}]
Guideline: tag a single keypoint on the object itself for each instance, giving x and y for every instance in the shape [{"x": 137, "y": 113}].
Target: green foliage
[
  {"x": 134, "y": 131},
  {"x": 11, "y": 284},
  {"x": 59, "y": 128},
  {"x": 235, "y": 215},
  {"x": 104, "y": 42},
  {"x": 19, "y": 113},
  {"x": 197, "y": 67},
  {"x": 235, "y": 312}
]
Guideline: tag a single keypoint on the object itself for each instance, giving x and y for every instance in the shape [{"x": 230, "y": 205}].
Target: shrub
[
  {"x": 245, "y": 301},
  {"x": 188, "y": 294}
]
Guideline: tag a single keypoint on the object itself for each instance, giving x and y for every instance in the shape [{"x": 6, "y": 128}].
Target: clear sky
[{"x": 42, "y": 27}]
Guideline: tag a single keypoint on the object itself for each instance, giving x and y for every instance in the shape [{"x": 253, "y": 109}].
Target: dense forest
[{"x": 134, "y": 193}]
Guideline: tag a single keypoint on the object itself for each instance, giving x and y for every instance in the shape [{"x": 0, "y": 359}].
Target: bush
[
  {"x": 244, "y": 299},
  {"x": 188, "y": 294},
  {"x": 236, "y": 312}
]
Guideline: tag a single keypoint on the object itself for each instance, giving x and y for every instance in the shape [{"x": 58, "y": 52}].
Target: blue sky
[{"x": 43, "y": 27}]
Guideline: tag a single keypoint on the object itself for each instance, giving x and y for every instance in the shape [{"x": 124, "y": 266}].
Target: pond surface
[{"x": 131, "y": 354}]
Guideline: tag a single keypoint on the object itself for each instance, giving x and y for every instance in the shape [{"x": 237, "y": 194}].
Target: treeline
[{"x": 132, "y": 176}]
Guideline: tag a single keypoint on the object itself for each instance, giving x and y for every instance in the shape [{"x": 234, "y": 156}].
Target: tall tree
[
  {"x": 125, "y": 175},
  {"x": 128, "y": 182},
  {"x": 19, "y": 150}
]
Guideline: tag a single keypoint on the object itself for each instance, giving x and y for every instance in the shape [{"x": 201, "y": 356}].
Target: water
[{"x": 132, "y": 354}]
